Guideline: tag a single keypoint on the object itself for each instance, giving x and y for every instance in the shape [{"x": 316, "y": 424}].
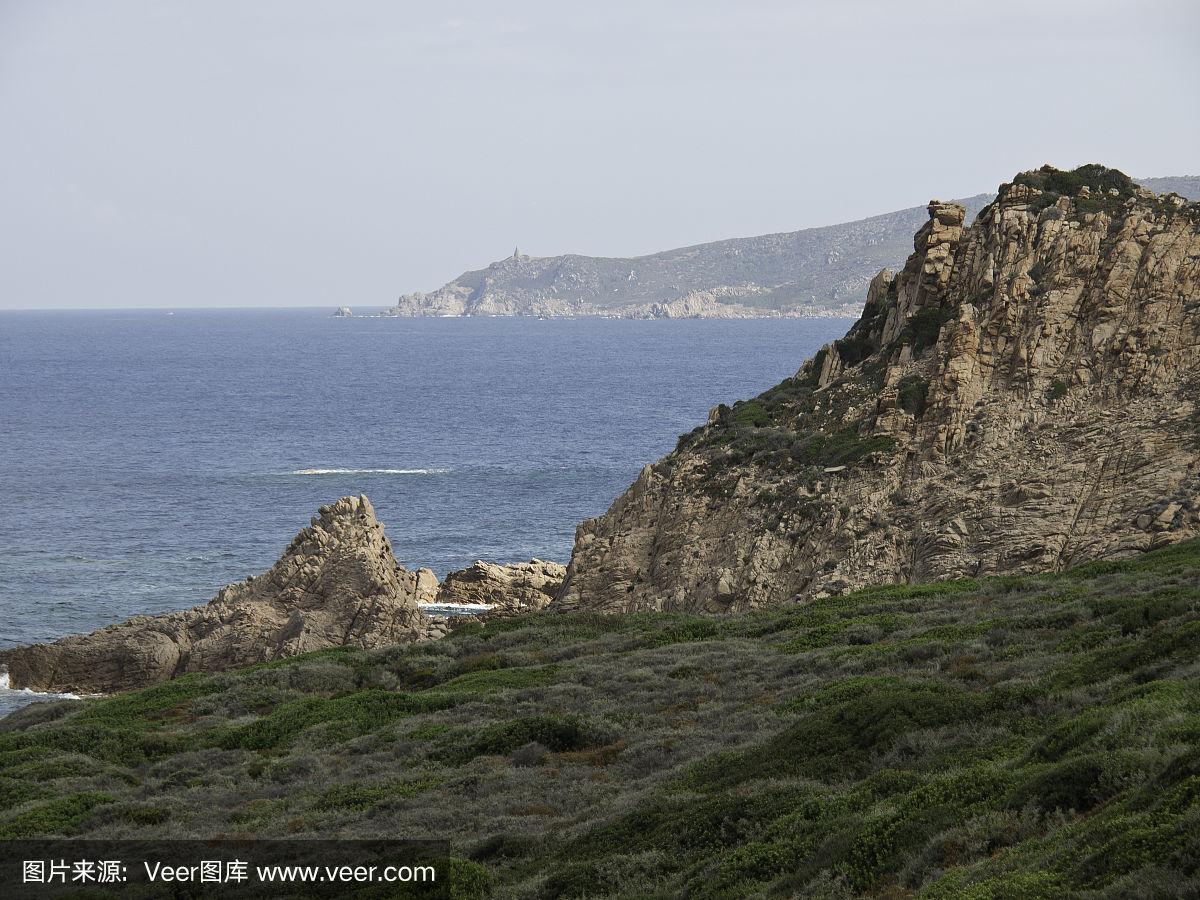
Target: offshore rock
[
  {"x": 1020, "y": 397},
  {"x": 336, "y": 584}
]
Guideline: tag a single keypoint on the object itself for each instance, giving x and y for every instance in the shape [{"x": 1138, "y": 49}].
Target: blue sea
[{"x": 148, "y": 457}]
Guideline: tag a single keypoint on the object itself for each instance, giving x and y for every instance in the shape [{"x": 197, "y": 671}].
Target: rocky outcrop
[
  {"x": 336, "y": 584},
  {"x": 1020, "y": 397},
  {"x": 509, "y": 589}
]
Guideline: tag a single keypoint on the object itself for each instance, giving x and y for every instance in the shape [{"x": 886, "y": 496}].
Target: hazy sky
[{"x": 231, "y": 152}]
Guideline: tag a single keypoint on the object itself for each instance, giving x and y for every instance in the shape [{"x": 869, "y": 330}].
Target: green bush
[
  {"x": 752, "y": 413},
  {"x": 556, "y": 733},
  {"x": 841, "y": 448},
  {"x": 922, "y": 330},
  {"x": 354, "y": 714},
  {"x": 468, "y": 880},
  {"x": 357, "y": 796},
  {"x": 912, "y": 393},
  {"x": 54, "y": 817}
]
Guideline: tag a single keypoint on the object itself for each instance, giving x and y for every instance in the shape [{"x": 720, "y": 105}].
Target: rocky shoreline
[
  {"x": 721, "y": 303},
  {"x": 338, "y": 583}
]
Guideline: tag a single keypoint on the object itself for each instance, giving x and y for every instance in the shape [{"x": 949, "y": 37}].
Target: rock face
[
  {"x": 337, "y": 583},
  {"x": 1020, "y": 397},
  {"x": 510, "y": 589}
]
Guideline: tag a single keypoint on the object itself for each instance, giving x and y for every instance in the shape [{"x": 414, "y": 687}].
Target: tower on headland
[{"x": 516, "y": 253}]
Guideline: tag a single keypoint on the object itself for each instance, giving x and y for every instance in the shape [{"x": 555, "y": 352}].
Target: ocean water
[{"x": 147, "y": 458}]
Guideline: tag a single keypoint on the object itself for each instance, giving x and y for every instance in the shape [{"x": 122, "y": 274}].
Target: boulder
[{"x": 508, "y": 589}]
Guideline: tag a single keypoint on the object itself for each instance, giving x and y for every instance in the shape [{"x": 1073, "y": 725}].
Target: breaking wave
[
  {"x": 455, "y": 609},
  {"x": 27, "y": 695}
]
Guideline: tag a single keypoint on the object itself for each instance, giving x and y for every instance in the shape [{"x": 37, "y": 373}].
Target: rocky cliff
[
  {"x": 1021, "y": 396},
  {"x": 337, "y": 583}
]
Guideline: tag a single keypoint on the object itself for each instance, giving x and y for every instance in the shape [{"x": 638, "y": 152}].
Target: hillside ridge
[{"x": 822, "y": 271}]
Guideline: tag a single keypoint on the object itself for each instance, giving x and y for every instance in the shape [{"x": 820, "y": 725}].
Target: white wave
[
  {"x": 456, "y": 608},
  {"x": 6, "y": 685},
  {"x": 369, "y": 472}
]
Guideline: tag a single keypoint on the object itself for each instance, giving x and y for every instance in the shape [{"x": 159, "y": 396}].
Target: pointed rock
[{"x": 336, "y": 584}]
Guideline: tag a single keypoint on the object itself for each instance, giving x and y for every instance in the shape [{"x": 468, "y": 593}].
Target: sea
[{"x": 149, "y": 457}]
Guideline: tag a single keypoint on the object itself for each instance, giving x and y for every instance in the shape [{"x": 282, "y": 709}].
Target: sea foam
[
  {"x": 456, "y": 609},
  {"x": 6, "y": 686}
]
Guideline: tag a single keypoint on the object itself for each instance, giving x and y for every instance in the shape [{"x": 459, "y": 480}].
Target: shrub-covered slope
[{"x": 1034, "y": 736}]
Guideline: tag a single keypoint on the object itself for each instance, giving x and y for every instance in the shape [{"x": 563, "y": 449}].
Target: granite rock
[
  {"x": 336, "y": 584},
  {"x": 1020, "y": 397},
  {"x": 509, "y": 589}
]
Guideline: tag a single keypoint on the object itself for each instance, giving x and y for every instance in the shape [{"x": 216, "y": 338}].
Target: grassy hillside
[{"x": 1014, "y": 737}]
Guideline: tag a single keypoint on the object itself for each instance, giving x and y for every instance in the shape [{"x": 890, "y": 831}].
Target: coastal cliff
[
  {"x": 1020, "y": 397},
  {"x": 812, "y": 272}
]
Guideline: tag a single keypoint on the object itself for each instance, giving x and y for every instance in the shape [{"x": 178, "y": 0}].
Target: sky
[{"x": 293, "y": 152}]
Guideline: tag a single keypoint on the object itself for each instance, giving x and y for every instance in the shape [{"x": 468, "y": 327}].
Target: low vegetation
[
  {"x": 1013, "y": 737},
  {"x": 793, "y": 428}
]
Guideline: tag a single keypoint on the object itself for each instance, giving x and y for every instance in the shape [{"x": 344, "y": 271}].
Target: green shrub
[
  {"x": 911, "y": 394},
  {"x": 687, "y": 631},
  {"x": 355, "y": 714},
  {"x": 1095, "y": 177},
  {"x": 922, "y": 330},
  {"x": 468, "y": 880},
  {"x": 487, "y": 682},
  {"x": 54, "y": 817},
  {"x": 1019, "y": 736},
  {"x": 356, "y": 796},
  {"x": 555, "y": 733},
  {"x": 840, "y": 448},
  {"x": 143, "y": 814},
  {"x": 752, "y": 413},
  {"x": 848, "y": 723},
  {"x": 14, "y": 792}
]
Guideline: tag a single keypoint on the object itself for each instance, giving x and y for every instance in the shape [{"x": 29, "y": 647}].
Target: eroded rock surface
[
  {"x": 510, "y": 589},
  {"x": 337, "y": 583},
  {"x": 1020, "y": 397}
]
